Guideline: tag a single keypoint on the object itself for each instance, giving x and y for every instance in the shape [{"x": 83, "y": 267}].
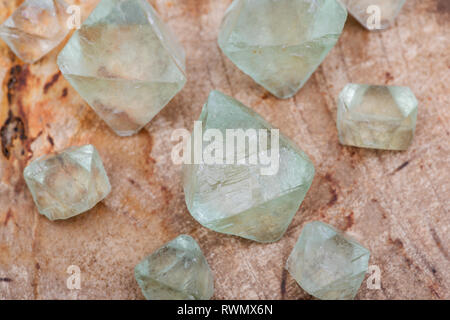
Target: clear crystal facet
[
  {"x": 176, "y": 271},
  {"x": 328, "y": 264},
  {"x": 371, "y": 12},
  {"x": 380, "y": 117},
  {"x": 69, "y": 183},
  {"x": 125, "y": 63},
  {"x": 36, "y": 28},
  {"x": 279, "y": 43},
  {"x": 236, "y": 198}
]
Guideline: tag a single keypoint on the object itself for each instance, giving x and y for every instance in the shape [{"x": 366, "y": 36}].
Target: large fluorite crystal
[
  {"x": 238, "y": 197},
  {"x": 279, "y": 43},
  {"x": 125, "y": 63}
]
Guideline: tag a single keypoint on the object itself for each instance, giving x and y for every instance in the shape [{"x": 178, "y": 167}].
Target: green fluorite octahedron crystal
[
  {"x": 374, "y": 14},
  {"x": 68, "y": 183},
  {"x": 35, "y": 28},
  {"x": 176, "y": 271},
  {"x": 125, "y": 63},
  {"x": 236, "y": 197},
  {"x": 328, "y": 264},
  {"x": 279, "y": 43},
  {"x": 379, "y": 117}
]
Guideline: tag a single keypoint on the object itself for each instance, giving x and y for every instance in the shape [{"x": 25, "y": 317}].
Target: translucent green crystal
[
  {"x": 176, "y": 271},
  {"x": 368, "y": 12},
  {"x": 279, "y": 43},
  {"x": 69, "y": 183},
  {"x": 125, "y": 63},
  {"x": 36, "y": 28},
  {"x": 379, "y": 117},
  {"x": 236, "y": 198},
  {"x": 328, "y": 264}
]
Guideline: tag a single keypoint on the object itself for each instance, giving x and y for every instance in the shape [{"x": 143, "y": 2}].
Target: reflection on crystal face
[
  {"x": 371, "y": 12},
  {"x": 328, "y": 264},
  {"x": 279, "y": 43},
  {"x": 380, "y": 117},
  {"x": 69, "y": 183},
  {"x": 176, "y": 271},
  {"x": 125, "y": 63},
  {"x": 236, "y": 198},
  {"x": 35, "y": 28}
]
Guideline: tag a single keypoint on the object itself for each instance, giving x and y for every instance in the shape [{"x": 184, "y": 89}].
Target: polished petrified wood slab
[{"x": 394, "y": 203}]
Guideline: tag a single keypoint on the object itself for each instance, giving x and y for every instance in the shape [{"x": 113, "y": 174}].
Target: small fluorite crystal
[
  {"x": 35, "y": 28},
  {"x": 379, "y": 117},
  {"x": 125, "y": 63},
  {"x": 374, "y": 14},
  {"x": 176, "y": 271},
  {"x": 237, "y": 197},
  {"x": 279, "y": 43},
  {"x": 328, "y": 264},
  {"x": 69, "y": 183}
]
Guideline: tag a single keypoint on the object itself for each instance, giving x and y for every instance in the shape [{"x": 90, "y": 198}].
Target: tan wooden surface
[{"x": 395, "y": 203}]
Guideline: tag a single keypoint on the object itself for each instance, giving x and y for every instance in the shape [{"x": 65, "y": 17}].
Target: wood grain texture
[{"x": 395, "y": 203}]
